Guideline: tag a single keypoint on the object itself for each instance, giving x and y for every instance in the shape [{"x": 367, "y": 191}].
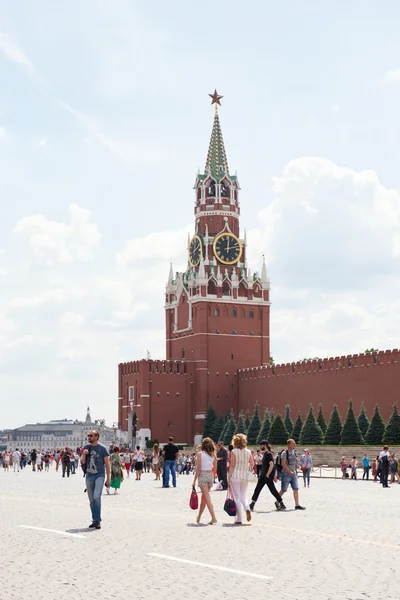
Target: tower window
[
  {"x": 234, "y": 312},
  {"x": 216, "y": 311},
  {"x": 183, "y": 352},
  {"x": 251, "y": 314}
]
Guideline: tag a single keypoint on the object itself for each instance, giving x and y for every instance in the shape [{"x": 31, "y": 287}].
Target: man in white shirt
[
  {"x": 384, "y": 460},
  {"x": 16, "y": 459}
]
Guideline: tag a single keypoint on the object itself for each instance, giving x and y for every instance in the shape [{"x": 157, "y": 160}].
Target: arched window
[
  {"x": 251, "y": 314},
  {"x": 234, "y": 312},
  {"x": 225, "y": 192},
  {"x": 216, "y": 311},
  {"x": 212, "y": 288},
  {"x": 226, "y": 289},
  {"x": 210, "y": 189}
]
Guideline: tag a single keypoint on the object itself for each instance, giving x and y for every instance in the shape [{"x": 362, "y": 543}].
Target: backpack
[
  {"x": 278, "y": 460},
  {"x": 85, "y": 466}
]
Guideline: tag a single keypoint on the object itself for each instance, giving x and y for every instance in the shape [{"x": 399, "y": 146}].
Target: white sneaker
[{"x": 108, "y": 490}]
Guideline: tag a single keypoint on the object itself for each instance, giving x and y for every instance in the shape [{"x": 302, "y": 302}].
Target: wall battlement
[
  {"x": 337, "y": 363},
  {"x": 167, "y": 367}
]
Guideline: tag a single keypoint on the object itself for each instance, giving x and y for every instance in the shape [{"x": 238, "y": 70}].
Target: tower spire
[
  {"x": 216, "y": 163},
  {"x": 264, "y": 277}
]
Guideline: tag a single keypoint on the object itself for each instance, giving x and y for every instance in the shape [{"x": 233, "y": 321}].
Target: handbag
[
  {"x": 230, "y": 506},
  {"x": 304, "y": 468},
  {"x": 194, "y": 500}
]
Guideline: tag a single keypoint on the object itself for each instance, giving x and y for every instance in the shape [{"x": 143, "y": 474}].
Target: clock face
[
  {"x": 195, "y": 251},
  {"x": 227, "y": 248}
]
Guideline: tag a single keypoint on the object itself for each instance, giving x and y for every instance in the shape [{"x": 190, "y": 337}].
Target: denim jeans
[
  {"x": 306, "y": 476},
  {"x": 94, "y": 486},
  {"x": 170, "y": 467}
]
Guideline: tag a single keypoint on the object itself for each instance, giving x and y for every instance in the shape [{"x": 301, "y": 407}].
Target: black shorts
[{"x": 139, "y": 466}]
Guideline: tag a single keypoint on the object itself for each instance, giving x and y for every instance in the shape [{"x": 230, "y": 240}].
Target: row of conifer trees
[{"x": 313, "y": 431}]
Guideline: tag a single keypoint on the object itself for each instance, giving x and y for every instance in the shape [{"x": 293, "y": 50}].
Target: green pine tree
[
  {"x": 217, "y": 428},
  {"x": 334, "y": 429},
  {"x": 351, "y": 434},
  {"x": 363, "y": 421},
  {"x": 209, "y": 421},
  {"x": 265, "y": 427},
  {"x": 241, "y": 426},
  {"x": 321, "y": 419},
  {"x": 229, "y": 431},
  {"x": 297, "y": 428},
  {"x": 247, "y": 421},
  {"x": 376, "y": 429},
  {"x": 277, "y": 432},
  {"x": 288, "y": 421},
  {"x": 255, "y": 427},
  {"x": 392, "y": 429},
  {"x": 311, "y": 433}
]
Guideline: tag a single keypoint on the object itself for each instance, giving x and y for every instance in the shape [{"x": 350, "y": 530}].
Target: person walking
[
  {"x": 16, "y": 459},
  {"x": 393, "y": 466},
  {"x": 222, "y": 465},
  {"x": 206, "y": 463},
  {"x": 156, "y": 460},
  {"x": 171, "y": 453},
  {"x": 289, "y": 473},
  {"x": 384, "y": 461},
  {"x": 366, "y": 466},
  {"x": 127, "y": 463},
  {"x": 116, "y": 471},
  {"x": 267, "y": 476},
  {"x": 306, "y": 465},
  {"x": 66, "y": 461},
  {"x": 343, "y": 467},
  {"x": 353, "y": 468},
  {"x": 95, "y": 462},
  {"x": 241, "y": 461},
  {"x": 138, "y": 457}
]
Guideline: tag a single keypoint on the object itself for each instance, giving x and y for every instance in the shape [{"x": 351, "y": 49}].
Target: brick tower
[{"x": 217, "y": 311}]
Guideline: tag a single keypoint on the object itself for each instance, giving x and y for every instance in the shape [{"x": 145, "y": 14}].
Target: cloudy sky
[{"x": 104, "y": 120}]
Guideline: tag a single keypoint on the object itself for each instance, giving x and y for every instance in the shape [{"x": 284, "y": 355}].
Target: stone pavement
[{"x": 344, "y": 546}]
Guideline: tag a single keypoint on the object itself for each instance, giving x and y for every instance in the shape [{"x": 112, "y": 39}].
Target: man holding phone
[{"x": 95, "y": 462}]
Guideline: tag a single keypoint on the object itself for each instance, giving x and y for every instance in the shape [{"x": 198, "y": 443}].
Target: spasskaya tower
[{"x": 217, "y": 311}]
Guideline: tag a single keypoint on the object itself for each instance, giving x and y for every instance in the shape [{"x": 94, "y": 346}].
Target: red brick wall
[{"x": 332, "y": 381}]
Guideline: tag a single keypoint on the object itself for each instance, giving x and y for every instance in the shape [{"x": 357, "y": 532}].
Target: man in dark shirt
[
  {"x": 267, "y": 475},
  {"x": 170, "y": 453},
  {"x": 222, "y": 458}
]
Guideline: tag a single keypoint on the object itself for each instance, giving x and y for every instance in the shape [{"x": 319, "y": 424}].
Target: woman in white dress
[{"x": 238, "y": 476}]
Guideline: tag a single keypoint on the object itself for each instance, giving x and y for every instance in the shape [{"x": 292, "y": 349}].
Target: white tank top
[
  {"x": 206, "y": 462},
  {"x": 241, "y": 468}
]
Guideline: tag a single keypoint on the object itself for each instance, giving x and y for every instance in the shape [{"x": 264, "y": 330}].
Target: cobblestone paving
[{"x": 344, "y": 546}]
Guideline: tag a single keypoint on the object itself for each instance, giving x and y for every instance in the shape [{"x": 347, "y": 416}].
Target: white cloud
[
  {"x": 335, "y": 108},
  {"x": 163, "y": 246},
  {"x": 53, "y": 241},
  {"x": 391, "y": 77},
  {"x": 2, "y": 133},
  {"x": 329, "y": 226},
  {"x": 14, "y": 53}
]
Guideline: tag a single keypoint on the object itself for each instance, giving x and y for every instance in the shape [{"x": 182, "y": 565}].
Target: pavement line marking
[
  {"x": 215, "y": 567},
  {"x": 67, "y": 533},
  {"x": 289, "y": 529}
]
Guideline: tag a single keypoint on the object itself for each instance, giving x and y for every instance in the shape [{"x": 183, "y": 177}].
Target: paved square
[{"x": 344, "y": 546}]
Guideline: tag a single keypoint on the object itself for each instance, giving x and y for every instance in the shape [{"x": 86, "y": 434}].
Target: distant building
[{"x": 59, "y": 434}]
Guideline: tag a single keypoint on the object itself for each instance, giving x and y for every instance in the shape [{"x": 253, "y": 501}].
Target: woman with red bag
[{"x": 206, "y": 463}]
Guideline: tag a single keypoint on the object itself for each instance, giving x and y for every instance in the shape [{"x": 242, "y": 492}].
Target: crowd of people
[
  {"x": 230, "y": 469},
  {"x": 384, "y": 465}
]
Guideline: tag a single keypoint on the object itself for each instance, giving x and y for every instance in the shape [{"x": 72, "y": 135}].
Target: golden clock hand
[{"x": 227, "y": 246}]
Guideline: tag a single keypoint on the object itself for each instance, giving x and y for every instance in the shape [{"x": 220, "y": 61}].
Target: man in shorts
[{"x": 289, "y": 473}]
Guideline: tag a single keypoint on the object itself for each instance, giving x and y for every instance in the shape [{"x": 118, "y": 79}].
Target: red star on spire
[{"x": 215, "y": 98}]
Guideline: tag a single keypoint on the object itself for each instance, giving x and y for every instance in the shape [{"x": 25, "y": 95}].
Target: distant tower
[
  {"x": 88, "y": 417},
  {"x": 217, "y": 311}
]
